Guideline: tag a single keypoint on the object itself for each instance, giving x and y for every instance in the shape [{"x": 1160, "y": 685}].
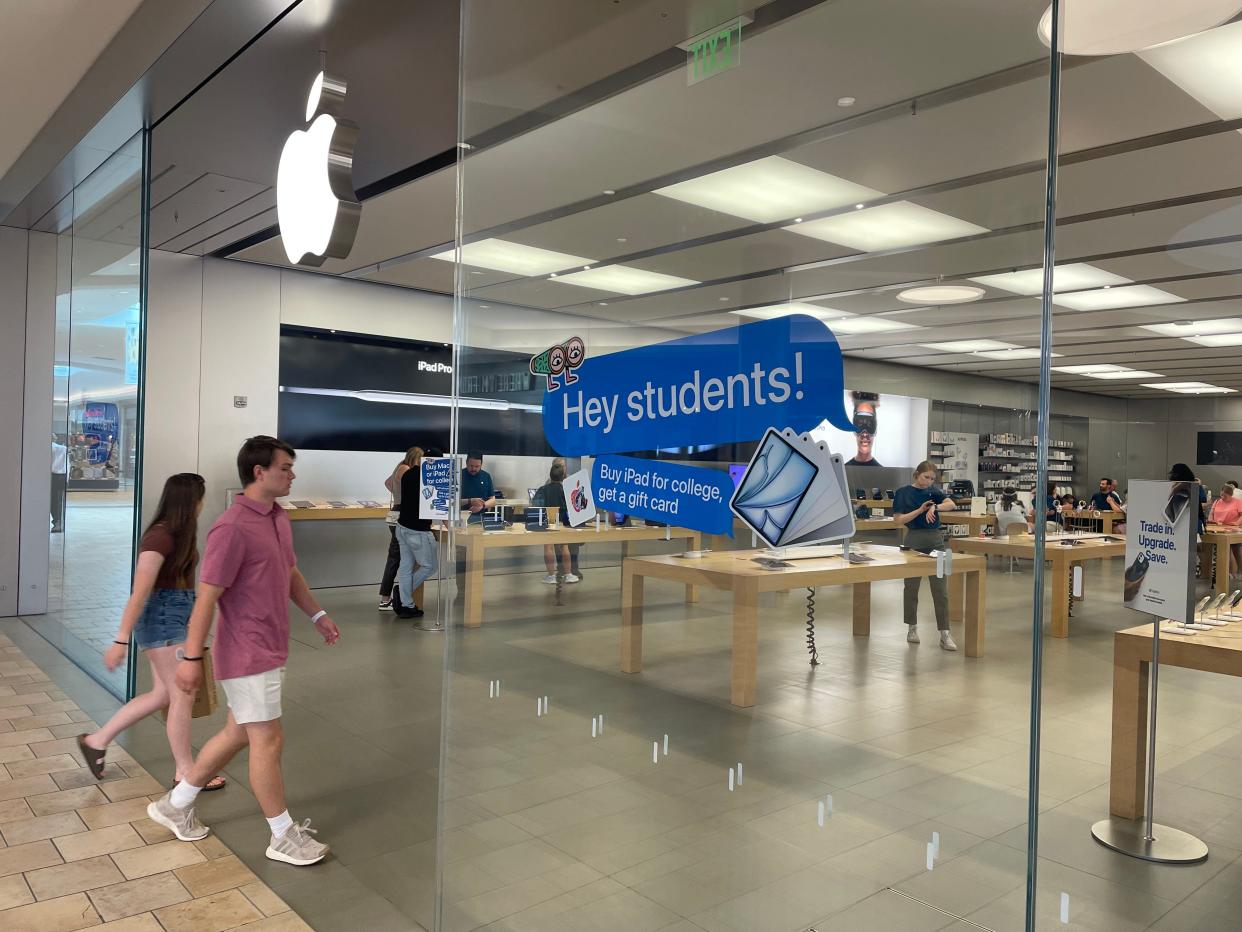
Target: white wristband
[{"x": 319, "y": 614}]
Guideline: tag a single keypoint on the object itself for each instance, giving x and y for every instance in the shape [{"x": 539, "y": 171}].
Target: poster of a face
[{"x": 890, "y": 430}]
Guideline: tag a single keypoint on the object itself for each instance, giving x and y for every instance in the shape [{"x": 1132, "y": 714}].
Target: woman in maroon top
[{"x": 157, "y": 616}]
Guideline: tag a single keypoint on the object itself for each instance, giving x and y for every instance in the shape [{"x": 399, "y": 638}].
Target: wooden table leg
[
  {"x": 692, "y": 591},
  {"x": 745, "y": 665},
  {"x": 956, "y": 593},
  {"x": 474, "y": 582},
  {"x": 631, "y": 619},
  {"x": 1222, "y": 566},
  {"x": 1205, "y": 562},
  {"x": 975, "y": 611},
  {"x": 862, "y": 610},
  {"x": 1128, "y": 770},
  {"x": 1060, "y": 599}
]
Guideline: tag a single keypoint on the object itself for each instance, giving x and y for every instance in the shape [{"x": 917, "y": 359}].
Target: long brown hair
[
  {"x": 178, "y": 513},
  {"x": 413, "y": 456}
]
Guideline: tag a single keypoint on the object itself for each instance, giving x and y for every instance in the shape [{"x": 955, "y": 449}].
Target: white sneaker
[
  {"x": 181, "y": 822},
  {"x": 550, "y": 579},
  {"x": 946, "y": 641},
  {"x": 912, "y": 636},
  {"x": 296, "y": 846},
  {"x": 571, "y": 578}
]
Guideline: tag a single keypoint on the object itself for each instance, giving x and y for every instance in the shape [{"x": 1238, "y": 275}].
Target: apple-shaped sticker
[{"x": 316, "y": 206}]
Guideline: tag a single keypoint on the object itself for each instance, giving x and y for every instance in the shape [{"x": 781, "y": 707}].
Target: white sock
[
  {"x": 281, "y": 824},
  {"x": 184, "y": 794}
]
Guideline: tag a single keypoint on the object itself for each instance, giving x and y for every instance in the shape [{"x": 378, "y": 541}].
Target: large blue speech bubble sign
[
  {"x": 726, "y": 386},
  {"x": 685, "y": 496}
]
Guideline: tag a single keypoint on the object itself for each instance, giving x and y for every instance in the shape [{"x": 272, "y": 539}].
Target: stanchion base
[{"x": 1169, "y": 846}]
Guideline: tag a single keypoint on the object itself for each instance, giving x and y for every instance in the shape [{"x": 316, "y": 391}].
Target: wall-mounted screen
[
  {"x": 1219, "y": 448},
  {"x": 890, "y": 430}
]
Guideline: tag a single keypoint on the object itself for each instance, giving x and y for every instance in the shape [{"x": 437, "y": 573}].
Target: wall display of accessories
[{"x": 1009, "y": 460}]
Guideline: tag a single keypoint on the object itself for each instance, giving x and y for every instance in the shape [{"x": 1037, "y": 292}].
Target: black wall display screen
[
  {"x": 1219, "y": 448},
  {"x": 318, "y": 368}
]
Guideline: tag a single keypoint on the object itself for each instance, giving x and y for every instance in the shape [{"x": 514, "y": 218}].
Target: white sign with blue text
[{"x": 1162, "y": 522}]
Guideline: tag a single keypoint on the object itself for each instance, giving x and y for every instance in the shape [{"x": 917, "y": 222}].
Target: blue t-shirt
[
  {"x": 910, "y": 498},
  {"x": 1100, "y": 501},
  {"x": 479, "y": 486}
]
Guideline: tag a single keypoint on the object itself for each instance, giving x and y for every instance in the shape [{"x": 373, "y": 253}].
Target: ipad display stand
[{"x": 1148, "y": 840}]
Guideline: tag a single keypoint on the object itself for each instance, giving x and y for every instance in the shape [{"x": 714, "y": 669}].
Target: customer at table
[
  {"x": 552, "y": 495},
  {"x": 393, "y": 484},
  {"x": 916, "y": 507},
  {"x": 1009, "y": 512},
  {"x": 572, "y": 568},
  {"x": 477, "y": 490},
  {"x": 419, "y": 548},
  {"x": 1052, "y": 506},
  {"x": 1106, "y": 499},
  {"x": 1227, "y": 511},
  {"x": 1180, "y": 472}
]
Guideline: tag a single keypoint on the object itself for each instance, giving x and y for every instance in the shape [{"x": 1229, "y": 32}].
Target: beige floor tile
[
  {"x": 129, "y": 810},
  {"x": 63, "y": 879},
  {"x": 16, "y": 753},
  {"x": 100, "y": 841},
  {"x": 154, "y": 859},
  {"x": 215, "y": 876},
  {"x": 27, "y": 786},
  {"x": 212, "y": 848},
  {"x": 268, "y": 903},
  {"x": 214, "y": 913},
  {"x": 138, "y": 896},
  {"x": 80, "y": 798},
  {"x": 14, "y": 892},
  {"x": 29, "y": 857},
  {"x": 284, "y": 922},
  {"x": 76, "y": 779},
  {"x": 27, "y": 737},
  {"x": 133, "y": 787},
  {"x": 14, "y": 810},
  {"x": 50, "y": 720},
  {"x": 50, "y": 826},
  {"x": 61, "y": 915},
  {"x": 151, "y": 832},
  {"x": 146, "y": 922}
]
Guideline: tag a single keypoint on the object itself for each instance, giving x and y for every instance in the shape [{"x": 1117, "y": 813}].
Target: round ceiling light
[
  {"x": 941, "y": 294},
  {"x": 1110, "y": 27}
]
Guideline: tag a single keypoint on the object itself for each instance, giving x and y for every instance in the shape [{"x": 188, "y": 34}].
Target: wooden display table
[
  {"x": 1216, "y": 651},
  {"x": 1061, "y": 556},
  {"x": 1218, "y": 537},
  {"x": 1107, "y": 519},
  {"x": 334, "y": 514},
  {"x": 476, "y": 543},
  {"x": 735, "y": 572}
]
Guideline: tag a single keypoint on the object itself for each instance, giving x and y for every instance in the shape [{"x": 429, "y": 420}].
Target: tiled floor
[
  {"x": 76, "y": 853},
  {"x": 549, "y": 829}
]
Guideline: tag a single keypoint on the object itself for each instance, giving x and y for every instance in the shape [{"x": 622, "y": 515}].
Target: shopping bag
[{"x": 206, "y": 699}]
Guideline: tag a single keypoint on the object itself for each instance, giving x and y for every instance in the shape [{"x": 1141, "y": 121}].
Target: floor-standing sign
[
  {"x": 1162, "y": 524},
  {"x": 437, "y": 496}
]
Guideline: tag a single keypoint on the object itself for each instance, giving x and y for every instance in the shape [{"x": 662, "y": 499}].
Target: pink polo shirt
[
  {"x": 250, "y": 554},
  {"x": 1227, "y": 512}
]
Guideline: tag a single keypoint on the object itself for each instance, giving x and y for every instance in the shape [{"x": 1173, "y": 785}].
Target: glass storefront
[{"x": 95, "y": 410}]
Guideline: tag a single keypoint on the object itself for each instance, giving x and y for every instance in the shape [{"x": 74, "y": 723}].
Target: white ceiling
[{"x": 942, "y": 120}]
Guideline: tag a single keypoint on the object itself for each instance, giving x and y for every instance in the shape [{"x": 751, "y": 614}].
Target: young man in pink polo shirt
[{"x": 250, "y": 573}]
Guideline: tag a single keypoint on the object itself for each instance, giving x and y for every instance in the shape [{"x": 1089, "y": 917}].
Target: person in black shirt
[
  {"x": 419, "y": 549},
  {"x": 572, "y": 568},
  {"x": 552, "y": 495}
]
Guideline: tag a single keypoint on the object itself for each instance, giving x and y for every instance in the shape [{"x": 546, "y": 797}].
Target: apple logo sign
[{"x": 316, "y": 206}]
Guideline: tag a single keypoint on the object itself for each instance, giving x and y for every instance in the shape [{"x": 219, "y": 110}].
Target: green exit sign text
[{"x": 714, "y": 51}]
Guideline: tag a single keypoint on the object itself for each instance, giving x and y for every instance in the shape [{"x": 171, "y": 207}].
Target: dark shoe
[
  {"x": 93, "y": 759},
  {"x": 404, "y": 612}
]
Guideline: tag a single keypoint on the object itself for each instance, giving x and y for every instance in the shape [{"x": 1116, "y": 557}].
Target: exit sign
[{"x": 714, "y": 51}]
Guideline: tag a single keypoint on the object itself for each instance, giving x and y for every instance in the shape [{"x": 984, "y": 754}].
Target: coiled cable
[{"x": 810, "y": 626}]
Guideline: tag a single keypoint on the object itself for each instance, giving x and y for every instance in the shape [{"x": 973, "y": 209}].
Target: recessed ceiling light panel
[
  {"x": 1217, "y": 339},
  {"x": 1189, "y": 388},
  {"x": 1107, "y": 371},
  {"x": 625, "y": 280},
  {"x": 1197, "y": 328},
  {"x": 940, "y": 294},
  {"x": 1072, "y": 276},
  {"x": 1111, "y": 27},
  {"x": 795, "y": 307},
  {"x": 767, "y": 190},
  {"x": 515, "y": 258},
  {"x": 858, "y": 325},
  {"x": 888, "y": 226},
  {"x": 970, "y": 346},
  {"x": 1021, "y": 352},
  {"x": 1103, "y": 299}
]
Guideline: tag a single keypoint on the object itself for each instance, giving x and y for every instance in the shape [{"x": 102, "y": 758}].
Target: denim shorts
[{"x": 166, "y": 619}]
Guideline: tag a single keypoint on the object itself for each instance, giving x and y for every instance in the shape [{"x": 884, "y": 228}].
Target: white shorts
[{"x": 254, "y": 698}]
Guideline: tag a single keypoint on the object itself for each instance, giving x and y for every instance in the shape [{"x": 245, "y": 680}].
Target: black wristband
[
  {"x": 198, "y": 659},
  {"x": 122, "y": 643}
]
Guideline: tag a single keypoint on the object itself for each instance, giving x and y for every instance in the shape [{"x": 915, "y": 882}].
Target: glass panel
[
  {"x": 778, "y": 751},
  {"x": 98, "y": 336},
  {"x": 1146, "y": 321}
]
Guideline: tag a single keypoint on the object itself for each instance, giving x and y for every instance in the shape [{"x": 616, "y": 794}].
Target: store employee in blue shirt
[
  {"x": 477, "y": 491},
  {"x": 1106, "y": 499},
  {"x": 917, "y": 508}
]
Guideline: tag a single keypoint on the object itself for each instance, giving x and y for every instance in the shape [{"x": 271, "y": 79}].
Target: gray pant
[{"x": 926, "y": 539}]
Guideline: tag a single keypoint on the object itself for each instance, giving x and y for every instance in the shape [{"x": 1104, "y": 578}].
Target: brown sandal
[{"x": 94, "y": 759}]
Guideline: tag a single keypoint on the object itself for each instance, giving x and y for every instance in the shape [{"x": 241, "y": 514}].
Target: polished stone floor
[{"x": 550, "y": 829}]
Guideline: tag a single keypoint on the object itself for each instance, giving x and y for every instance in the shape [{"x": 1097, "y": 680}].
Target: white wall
[{"x": 13, "y": 245}]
